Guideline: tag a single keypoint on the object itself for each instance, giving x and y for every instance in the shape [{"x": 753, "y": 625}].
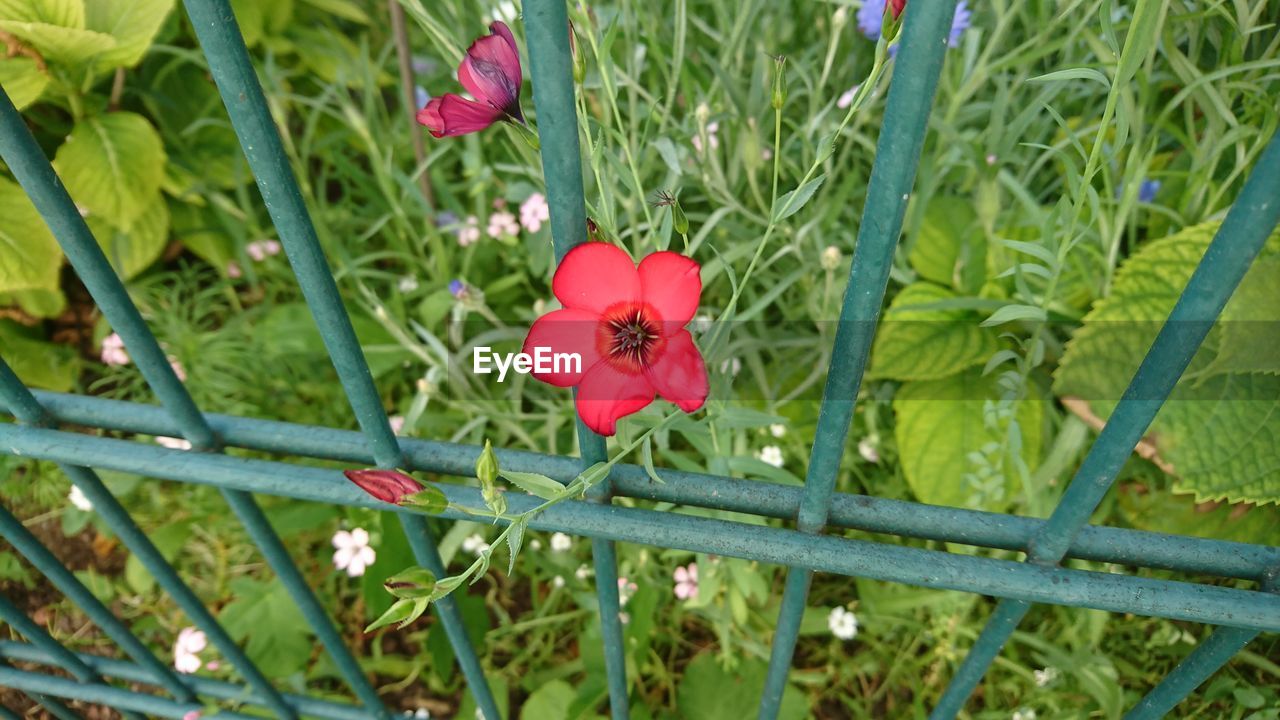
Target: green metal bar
[
  {"x": 53, "y": 706},
  {"x": 879, "y": 515},
  {"x": 1238, "y": 241},
  {"x": 206, "y": 687},
  {"x": 551, "y": 68},
  {"x": 821, "y": 553},
  {"x": 1208, "y": 657},
  {"x": 129, "y": 702},
  {"x": 16, "y": 396},
  {"x": 906, "y": 119},
  {"x": 229, "y": 62},
  {"x": 47, "y": 563},
  {"x": 39, "y": 637},
  {"x": 37, "y": 177}
]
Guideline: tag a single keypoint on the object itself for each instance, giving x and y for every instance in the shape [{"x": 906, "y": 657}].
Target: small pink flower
[
  {"x": 233, "y": 270},
  {"x": 534, "y": 212},
  {"x": 353, "y": 552},
  {"x": 260, "y": 250},
  {"x": 469, "y": 232},
  {"x": 626, "y": 589},
  {"x": 397, "y": 423},
  {"x": 113, "y": 352},
  {"x": 491, "y": 73},
  {"x": 712, "y": 139},
  {"x": 191, "y": 715},
  {"x": 846, "y": 99},
  {"x": 186, "y": 650},
  {"x": 503, "y": 224},
  {"x": 687, "y": 581}
]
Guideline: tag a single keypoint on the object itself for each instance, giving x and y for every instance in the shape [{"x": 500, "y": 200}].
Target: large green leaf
[
  {"x": 264, "y": 618},
  {"x": 23, "y": 80},
  {"x": 67, "y": 13},
  {"x": 29, "y": 256},
  {"x": 950, "y": 248},
  {"x": 57, "y": 42},
  {"x": 946, "y": 440},
  {"x": 550, "y": 701},
  {"x": 132, "y": 251},
  {"x": 112, "y": 165},
  {"x": 709, "y": 691},
  {"x": 36, "y": 362},
  {"x": 1220, "y": 429},
  {"x": 133, "y": 24},
  {"x": 928, "y": 344}
]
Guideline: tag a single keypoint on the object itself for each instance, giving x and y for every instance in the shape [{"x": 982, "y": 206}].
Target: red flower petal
[
  {"x": 449, "y": 115},
  {"x": 491, "y": 70},
  {"x": 679, "y": 375},
  {"x": 565, "y": 331},
  {"x": 605, "y": 394},
  {"x": 594, "y": 276},
  {"x": 896, "y": 6},
  {"x": 670, "y": 284}
]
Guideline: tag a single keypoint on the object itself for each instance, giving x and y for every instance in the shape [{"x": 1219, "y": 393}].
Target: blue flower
[
  {"x": 457, "y": 288},
  {"x": 420, "y": 96},
  {"x": 1147, "y": 190},
  {"x": 871, "y": 15},
  {"x": 444, "y": 218}
]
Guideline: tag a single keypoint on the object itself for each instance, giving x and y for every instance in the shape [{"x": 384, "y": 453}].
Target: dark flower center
[{"x": 630, "y": 337}]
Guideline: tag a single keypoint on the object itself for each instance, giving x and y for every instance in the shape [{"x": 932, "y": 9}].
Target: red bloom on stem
[
  {"x": 896, "y": 6},
  {"x": 491, "y": 73},
  {"x": 385, "y": 485},
  {"x": 626, "y": 323}
]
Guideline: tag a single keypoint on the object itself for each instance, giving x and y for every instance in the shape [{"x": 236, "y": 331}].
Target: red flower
[
  {"x": 627, "y": 326},
  {"x": 385, "y": 485},
  {"x": 491, "y": 73},
  {"x": 896, "y": 6}
]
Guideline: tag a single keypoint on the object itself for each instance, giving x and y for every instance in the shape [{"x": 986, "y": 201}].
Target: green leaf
[
  {"x": 262, "y": 616},
  {"x": 950, "y": 248},
  {"x": 29, "y": 256},
  {"x": 928, "y": 344},
  {"x": 112, "y": 165},
  {"x": 37, "y": 363},
  {"x": 1218, "y": 432},
  {"x": 133, "y": 250},
  {"x": 942, "y": 424},
  {"x": 23, "y": 80},
  {"x": 708, "y": 691},
  {"x": 56, "y": 42},
  {"x": 251, "y": 18},
  {"x": 550, "y": 701},
  {"x": 133, "y": 24},
  {"x": 534, "y": 484},
  {"x": 791, "y": 203},
  {"x": 515, "y": 538},
  {"x": 67, "y": 13},
  {"x": 1015, "y": 313},
  {"x": 1073, "y": 74},
  {"x": 430, "y": 500},
  {"x": 401, "y": 611}
]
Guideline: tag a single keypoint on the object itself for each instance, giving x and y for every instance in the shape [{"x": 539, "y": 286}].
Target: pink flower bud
[{"x": 386, "y": 485}]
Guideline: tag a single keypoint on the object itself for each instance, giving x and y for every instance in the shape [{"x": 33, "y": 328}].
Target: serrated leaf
[
  {"x": 133, "y": 24},
  {"x": 928, "y": 344},
  {"x": 534, "y": 484},
  {"x": 23, "y": 80},
  {"x": 112, "y": 165},
  {"x": 941, "y": 423},
  {"x": 133, "y": 250},
  {"x": 1219, "y": 432},
  {"x": 515, "y": 538},
  {"x": 1250, "y": 327},
  {"x": 791, "y": 203},
  {"x": 29, "y": 256},
  {"x": 949, "y": 248}
]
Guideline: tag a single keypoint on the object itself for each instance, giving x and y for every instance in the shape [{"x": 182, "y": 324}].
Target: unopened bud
[
  {"x": 831, "y": 258},
  {"x": 411, "y": 584},
  {"x": 679, "y": 220},
  {"x": 840, "y": 17},
  {"x": 487, "y": 465},
  {"x": 779, "y": 82},
  {"x": 386, "y": 485}
]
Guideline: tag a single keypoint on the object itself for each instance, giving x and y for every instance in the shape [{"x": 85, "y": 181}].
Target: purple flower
[
  {"x": 420, "y": 96},
  {"x": 1147, "y": 190},
  {"x": 871, "y": 14},
  {"x": 444, "y": 218},
  {"x": 959, "y": 23},
  {"x": 457, "y": 288}
]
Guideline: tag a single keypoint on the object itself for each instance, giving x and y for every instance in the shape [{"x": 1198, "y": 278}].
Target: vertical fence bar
[
  {"x": 12, "y": 530},
  {"x": 229, "y": 62},
  {"x": 39, "y": 637},
  {"x": 109, "y": 292},
  {"x": 23, "y": 404},
  {"x": 1243, "y": 233},
  {"x": 915, "y": 80},
  {"x": 551, "y": 68}
]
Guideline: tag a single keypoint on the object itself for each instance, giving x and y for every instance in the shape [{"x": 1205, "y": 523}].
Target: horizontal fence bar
[
  {"x": 206, "y": 687},
  {"x": 862, "y": 558},
  {"x": 879, "y": 515},
  {"x": 26, "y": 543},
  {"x": 128, "y": 702}
]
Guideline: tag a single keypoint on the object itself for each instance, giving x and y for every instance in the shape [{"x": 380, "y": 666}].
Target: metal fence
[{"x": 1239, "y": 614}]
